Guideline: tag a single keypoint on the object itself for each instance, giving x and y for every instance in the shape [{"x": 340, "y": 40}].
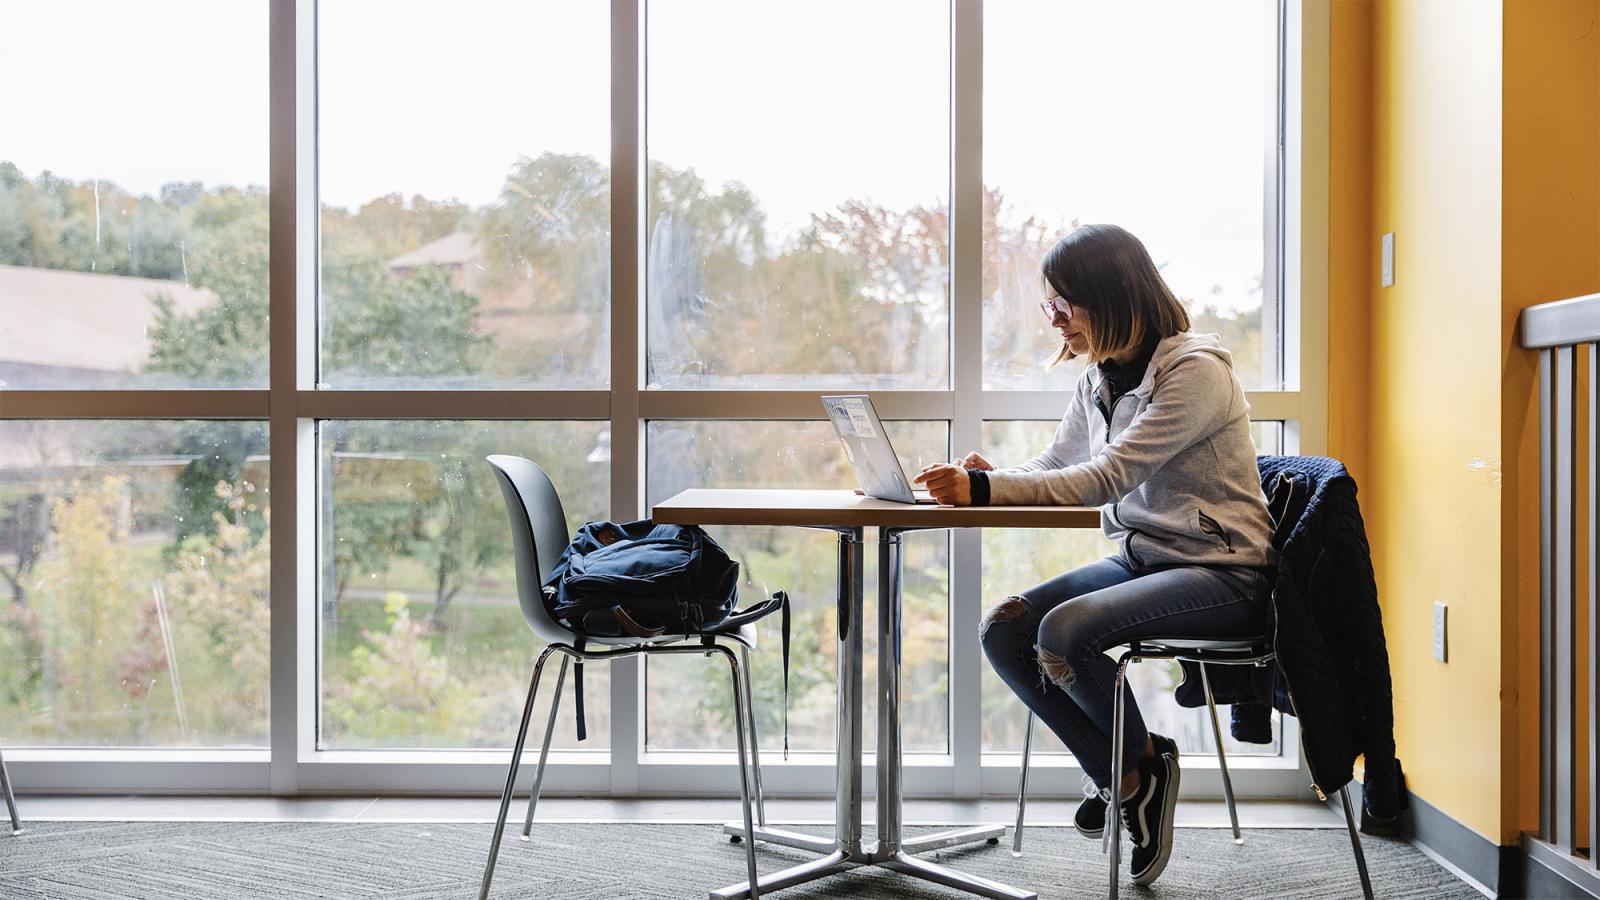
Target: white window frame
[{"x": 1297, "y": 172}]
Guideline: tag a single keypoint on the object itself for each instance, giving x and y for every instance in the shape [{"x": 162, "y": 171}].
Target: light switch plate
[
  {"x": 1388, "y": 259},
  {"x": 1440, "y": 650}
]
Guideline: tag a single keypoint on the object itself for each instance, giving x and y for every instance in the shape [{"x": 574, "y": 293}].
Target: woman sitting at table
[{"x": 1157, "y": 435}]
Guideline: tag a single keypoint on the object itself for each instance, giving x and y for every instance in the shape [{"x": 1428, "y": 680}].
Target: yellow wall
[
  {"x": 1550, "y": 250},
  {"x": 1470, "y": 128},
  {"x": 1436, "y": 338},
  {"x": 1352, "y": 266}
]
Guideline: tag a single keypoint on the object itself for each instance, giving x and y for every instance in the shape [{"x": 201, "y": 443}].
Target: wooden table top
[{"x": 848, "y": 509}]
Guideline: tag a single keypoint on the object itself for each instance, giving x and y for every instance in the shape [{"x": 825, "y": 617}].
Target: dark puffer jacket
[{"x": 1332, "y": 668}]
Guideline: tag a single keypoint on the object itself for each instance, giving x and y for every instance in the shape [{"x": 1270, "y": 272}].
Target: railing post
[
  {"x": 1547, "y": 630},
  {"x": 1557, "y": 330},
  {"x": 1594, "y": 606},
  {"x": 1563, "y": 461}
]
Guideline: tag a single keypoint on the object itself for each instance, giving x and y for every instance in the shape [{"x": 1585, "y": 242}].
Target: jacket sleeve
[
  {"x": 1070, "y": 444},
  {"x": 1190, "y": 400}
]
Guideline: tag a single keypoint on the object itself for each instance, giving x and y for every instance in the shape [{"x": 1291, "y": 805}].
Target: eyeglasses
[{"x": 1053, "y": 304}]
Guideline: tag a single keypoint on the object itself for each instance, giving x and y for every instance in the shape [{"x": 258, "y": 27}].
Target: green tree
[
  {"x": 86, "y": 602},
  {"x": 416, "y": 326},
  {"x": 217, "y": 589},
  {"x": 397, "y": 688}
]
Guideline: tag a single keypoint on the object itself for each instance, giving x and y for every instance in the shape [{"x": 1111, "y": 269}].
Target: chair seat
[
  {"x": 1243, "y": 647},
  {"x": 1179, "y": 643},
  {"x": 744, "y": 635}
]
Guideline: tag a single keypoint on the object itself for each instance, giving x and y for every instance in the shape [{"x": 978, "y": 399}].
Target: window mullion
[
  {"x": 627, "y": 349},
  {"x": 292, "y": 279},
  {"x": 966, "y": 369}
]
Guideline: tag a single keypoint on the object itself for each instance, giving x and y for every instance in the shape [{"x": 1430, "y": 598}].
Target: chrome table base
[{"x": 845, "y": 850}]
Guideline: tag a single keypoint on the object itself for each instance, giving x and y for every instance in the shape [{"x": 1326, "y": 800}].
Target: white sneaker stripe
[{"x": 1144, "y": 803}]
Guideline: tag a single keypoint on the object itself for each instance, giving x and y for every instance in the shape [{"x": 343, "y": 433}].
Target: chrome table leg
[
  {"x": 785, "y": 838},
  {"x": 893, "y": 849},
  {"x": 844, "y": 850},
  {"x": 953, "y": 838},
  {"x": 806, "y": 871},
  {"x": 961, "y": 881}
]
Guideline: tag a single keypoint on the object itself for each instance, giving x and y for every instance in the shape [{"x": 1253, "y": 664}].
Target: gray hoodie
[{"x": 1174, "y": 472}]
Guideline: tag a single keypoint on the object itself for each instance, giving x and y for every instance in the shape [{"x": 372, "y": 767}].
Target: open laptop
[{"x": 867, "y": 447}]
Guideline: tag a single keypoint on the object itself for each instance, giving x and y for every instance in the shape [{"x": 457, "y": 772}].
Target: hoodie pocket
[{"x": 1205, "y": 526}]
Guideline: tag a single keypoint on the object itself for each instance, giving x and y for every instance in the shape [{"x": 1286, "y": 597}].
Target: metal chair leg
[
  {"x": 11, "y": 800},
  {"x": 1114, "y": 823},
  {"x": 755, "y": 741},
  {"x": 1022, "y": 787},
  {"x": 511, "y": 776},
  {"x": 544, "y": 749},
  {"x": 744, "y": 775},
  {"x": 1222, "y": 756},
  {"x": 1355, "y": 842}
]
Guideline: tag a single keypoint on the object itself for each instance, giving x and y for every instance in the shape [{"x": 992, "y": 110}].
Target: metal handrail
[
  {"x": 1561, "y": 323},
  {"x": 1557, "y": 330}
]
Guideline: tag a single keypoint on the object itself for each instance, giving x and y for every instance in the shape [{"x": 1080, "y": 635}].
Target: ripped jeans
[{"x": 1049, "y": 643}]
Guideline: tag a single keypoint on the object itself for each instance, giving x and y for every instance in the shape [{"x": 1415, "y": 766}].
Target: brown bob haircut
[{"x": 1107, "y": 271}]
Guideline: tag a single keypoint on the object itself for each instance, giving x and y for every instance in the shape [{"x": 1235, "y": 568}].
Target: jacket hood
[{"x": 1167, "y": 354}]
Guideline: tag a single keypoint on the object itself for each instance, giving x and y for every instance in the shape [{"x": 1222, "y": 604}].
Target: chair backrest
[{"x": 538, "y": 535}]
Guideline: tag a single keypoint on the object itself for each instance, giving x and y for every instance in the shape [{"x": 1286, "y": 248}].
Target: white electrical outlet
[
  {"x": 1388, "y": 259},
  {"x": 1439, "y": 646}
]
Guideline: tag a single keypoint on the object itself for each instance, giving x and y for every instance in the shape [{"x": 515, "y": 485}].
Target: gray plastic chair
[
  {"x": 1255, "y": 651},
  {"x": 538, "y": 536},
  {"x": 11, "y": 801}
]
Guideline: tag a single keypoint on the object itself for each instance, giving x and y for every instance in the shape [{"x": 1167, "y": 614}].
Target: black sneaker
[
  {"x": 1090, "y": 819},
  {"x": 1148, "y": 813}
]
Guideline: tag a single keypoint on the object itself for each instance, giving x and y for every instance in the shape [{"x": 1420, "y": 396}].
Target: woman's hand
[
  {"x": 974, "y": 461},
  {"x": 949, "y": 484}
]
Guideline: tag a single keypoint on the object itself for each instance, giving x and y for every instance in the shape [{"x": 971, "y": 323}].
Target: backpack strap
[
  {"x": 785, "y": 599},
  {"x": 577, "y": 690},
  {"x": 631, "y": 625}
]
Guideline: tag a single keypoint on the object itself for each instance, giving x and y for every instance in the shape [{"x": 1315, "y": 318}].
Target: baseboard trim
[
  {"x": 1527, "y": 870},
  {"x": 1454, "y": 869},
  {"x": 1469, "y": 855}
]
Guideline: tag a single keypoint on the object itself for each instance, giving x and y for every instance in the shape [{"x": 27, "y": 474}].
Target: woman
[{"x": 1157, "y": 435}]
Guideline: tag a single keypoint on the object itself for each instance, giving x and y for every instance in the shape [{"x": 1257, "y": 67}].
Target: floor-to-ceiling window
[{"x": 275, "y": 277}]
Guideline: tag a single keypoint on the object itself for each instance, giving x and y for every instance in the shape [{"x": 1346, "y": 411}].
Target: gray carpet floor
[{"x": 167, "y": 861}]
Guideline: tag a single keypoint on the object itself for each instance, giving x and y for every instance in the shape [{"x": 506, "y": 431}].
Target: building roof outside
[{"x": 84, "y": 320}]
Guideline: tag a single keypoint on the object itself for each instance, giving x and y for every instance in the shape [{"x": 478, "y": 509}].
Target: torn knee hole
[
  {"x": 1055, "y": 668},
  {"x": 1004, "y": 611}
]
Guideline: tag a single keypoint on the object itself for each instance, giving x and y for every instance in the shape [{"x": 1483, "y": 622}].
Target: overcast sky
[{"x": 1149, "y": 114}]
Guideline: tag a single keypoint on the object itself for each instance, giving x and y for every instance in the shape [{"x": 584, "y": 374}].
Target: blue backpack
[{"x": 643, "y": 580}]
